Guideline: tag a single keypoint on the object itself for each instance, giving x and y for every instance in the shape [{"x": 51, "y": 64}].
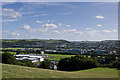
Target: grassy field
[
  {"x": 57, "y": 57},
  {"x": 8, "y": 52},
  {"x": 19, "y": 48},
  {"x": 14, "y": 71}
]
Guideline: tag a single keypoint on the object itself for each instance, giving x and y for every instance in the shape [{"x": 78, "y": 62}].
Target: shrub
[
  {"x": 27, "y": 63},
  {"x": 45, "y": 64}
]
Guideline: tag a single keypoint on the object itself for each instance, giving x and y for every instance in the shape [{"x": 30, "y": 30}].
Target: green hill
[
  {"x": 14, "y": 71},
  {"x": 34, "y": 43}
]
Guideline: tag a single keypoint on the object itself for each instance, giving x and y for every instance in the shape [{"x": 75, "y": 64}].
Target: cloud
[
  {"x": 26, "y": 27},
  {"x": 14, "y": 34},
  {"x": 14, "y": 15},
  {"x": 50, "y": 26},
  {"x": 107, "y": 31},
  {"x": 34, "y": 30},
  {"x": 55, "y": 31},
  {"x": 69, "y": 30},
  {"x": 28, "y": 12},
  {"x": 101, "y": 17},
  {"x": 39, "y": 21},
  {"x": 41, "y": 15},
  {"x": 89, "y": 29},
  {"x": 99, "y": 25},
  {"x": 60, "y": 24},
  {"x": 11, "y": 13},
  {"x": 8, "y": 10},
  {"x": 9, "y": 20},
  {"x": 114, "y": 30},
  {"x": 92, "y": 34},
  {"x": 67, "y": 25},
  {"x": 42, "y": 29},
  {"x": 66, "y": 13},
  {"x": 78, "y": 32}
]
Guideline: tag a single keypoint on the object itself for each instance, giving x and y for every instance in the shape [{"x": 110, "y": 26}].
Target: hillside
[
  {"x": 29, "y": 43},
  {"x": 14, "y": 71},
  {"x": 55, "y": 44}
]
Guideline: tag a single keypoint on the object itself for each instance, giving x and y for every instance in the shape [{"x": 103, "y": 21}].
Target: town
[{"x": 97, "y": 50}]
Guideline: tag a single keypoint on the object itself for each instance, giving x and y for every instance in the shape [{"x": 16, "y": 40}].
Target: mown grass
[
  {"x": 1, "y": 52},
  {"x": 57, "y": 57},
  {"x": 14, "y": 71},
  {"x": 19, "y": 48}
]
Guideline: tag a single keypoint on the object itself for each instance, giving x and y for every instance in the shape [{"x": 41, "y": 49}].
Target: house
[{"x": 54, "y": 65}]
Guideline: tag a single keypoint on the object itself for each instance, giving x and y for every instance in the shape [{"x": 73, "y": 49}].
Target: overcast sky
[{"x": 73, "y": 21}]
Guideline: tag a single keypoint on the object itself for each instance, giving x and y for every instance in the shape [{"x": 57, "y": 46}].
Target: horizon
[
  {"x": 71, "y": 21},
  {"x": 59, "y": 39}
]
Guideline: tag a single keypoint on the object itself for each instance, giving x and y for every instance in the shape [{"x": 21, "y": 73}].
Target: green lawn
[
  {"x": 8, "y": 52},
  {"x": 20, "y": 48},
  {"x": 57, "y": 57},
  {"x": 14, "y": 71}
]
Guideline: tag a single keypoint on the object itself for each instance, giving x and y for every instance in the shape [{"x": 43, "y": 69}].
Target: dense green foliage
[
  {"x": 45, "y": 64},
  {"x": 115, "y": 64},
  {"x": 9, "y": 58},
  {"x": 27, "y": 63},
  {"x": 77, "y": 63}
]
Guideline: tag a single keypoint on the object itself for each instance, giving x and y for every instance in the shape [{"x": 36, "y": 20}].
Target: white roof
[{"x": 36, "y": 56}]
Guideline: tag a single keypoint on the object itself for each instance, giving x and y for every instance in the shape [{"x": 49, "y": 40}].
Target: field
[
  {"x": 8, "y": 52},
  {"x": 18, "y": 48},
  {"x": 57, "y": 57},
  {"x": 14, "y": 71}
]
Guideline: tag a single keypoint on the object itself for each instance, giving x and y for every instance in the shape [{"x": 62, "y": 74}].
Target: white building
[{"x": 31, "y": 57}]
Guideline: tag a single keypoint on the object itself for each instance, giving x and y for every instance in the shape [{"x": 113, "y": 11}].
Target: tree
[
  {"x": 115, "y": 64},
  {"x": 28, "y": 63},
  {"x": 8, "y": 58},
  {"x": 45, "y": 64},
  {"x": 94, "y": 53},
  {"x": 38, "y": 52},
  {"x": 18, "y": 52},
  {"x": 109, "y": 59},
  {"x": 77, "y": 63}
]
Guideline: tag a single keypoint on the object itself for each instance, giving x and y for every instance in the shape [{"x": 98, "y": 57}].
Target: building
[{"x": 32, "y": 57}]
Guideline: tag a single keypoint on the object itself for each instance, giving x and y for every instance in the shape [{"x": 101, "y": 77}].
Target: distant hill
[
  {"x": 28, "y": 43},
  {"x": 14, "y": 71},
  {"x": 54, "y": 44}
]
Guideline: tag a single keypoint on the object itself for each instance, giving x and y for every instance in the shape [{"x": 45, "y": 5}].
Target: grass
[
  {"x": 57, "y": 57},
  {"x": 19, "y": 48},
  {"x": 1, "y": 52},
  {"x": 14, "y": 71}
]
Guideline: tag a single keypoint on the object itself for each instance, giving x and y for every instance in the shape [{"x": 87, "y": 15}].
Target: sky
[{"x": 73, "y": 21}]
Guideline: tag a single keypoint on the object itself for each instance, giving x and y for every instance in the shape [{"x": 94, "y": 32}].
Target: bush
[
  {"x": 77, "y": 63},
  {"x": 27, "y": 63},
  {"x": 45, "y": 64},
  {"x": 115, "y": 64},
  {"x": 8, "y": 58}
]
